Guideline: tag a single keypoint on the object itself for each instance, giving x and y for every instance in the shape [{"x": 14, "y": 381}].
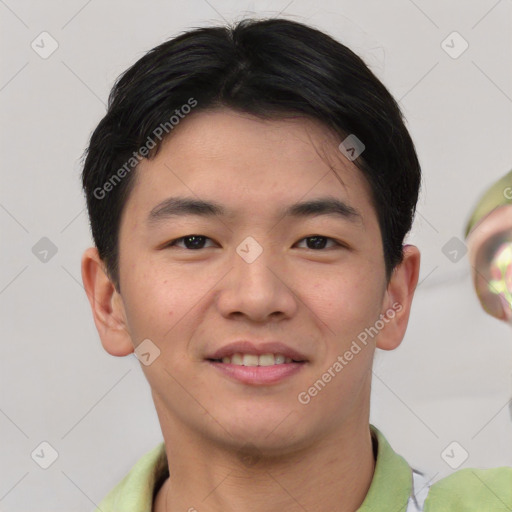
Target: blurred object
[
  {"x": 489, "y": 239},
  {"x": 501, "y": 271}
]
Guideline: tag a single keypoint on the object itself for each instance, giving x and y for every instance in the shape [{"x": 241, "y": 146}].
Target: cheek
[
  {"x": 163, "y": 302},
  {"x": 345, "y": 302},
  {"x": 153, "y": 300}
]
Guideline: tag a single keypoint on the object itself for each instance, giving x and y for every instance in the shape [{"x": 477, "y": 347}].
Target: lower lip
[{"x": 258, "y": 375}]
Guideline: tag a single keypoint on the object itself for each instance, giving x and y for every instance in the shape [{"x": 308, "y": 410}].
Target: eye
[
  {"x": 192, "y": 242},
  {"x": 318, "y": 242},
  {"x": 196, "y": 242}
]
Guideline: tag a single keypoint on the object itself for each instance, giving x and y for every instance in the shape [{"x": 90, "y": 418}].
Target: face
[{"x": 294, "y": 283}]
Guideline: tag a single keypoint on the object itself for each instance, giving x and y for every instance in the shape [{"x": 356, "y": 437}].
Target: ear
[
  {"x": 106, "y": 304},
  {"x": 396, "y": 305}
]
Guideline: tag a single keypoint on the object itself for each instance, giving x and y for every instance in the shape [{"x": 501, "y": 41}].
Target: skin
[{"x": 191, "y": 302}]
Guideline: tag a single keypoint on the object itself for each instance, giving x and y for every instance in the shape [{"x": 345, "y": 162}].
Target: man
[{"x": 249, "y": 191}]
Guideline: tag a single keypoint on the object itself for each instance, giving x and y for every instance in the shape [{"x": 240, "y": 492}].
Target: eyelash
[{"x": 173, "y": 243}]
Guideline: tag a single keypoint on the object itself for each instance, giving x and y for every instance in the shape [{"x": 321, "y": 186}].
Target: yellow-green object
[
  {"x": 501, "y": 271},
  {"x": 489, "y": 236},
  {"x": 499, "y": 194},
  {"x": 392, "y": 488}
]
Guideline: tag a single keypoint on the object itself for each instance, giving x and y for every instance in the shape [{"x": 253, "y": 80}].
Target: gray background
[{"x": 450, "y": 380}]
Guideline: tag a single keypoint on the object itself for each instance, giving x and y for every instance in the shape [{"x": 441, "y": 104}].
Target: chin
[{"x": 271, "y": 434}]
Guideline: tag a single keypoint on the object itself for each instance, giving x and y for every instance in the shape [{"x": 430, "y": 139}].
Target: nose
[{"x": 259, "y": 286}]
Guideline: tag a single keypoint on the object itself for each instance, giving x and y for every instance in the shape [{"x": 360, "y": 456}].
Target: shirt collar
[
  {"x": 391, "y": 482},
  {"x": 392, "y": 479}
]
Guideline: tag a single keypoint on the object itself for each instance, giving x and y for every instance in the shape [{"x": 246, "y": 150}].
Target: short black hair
[{"x": 269, "y": 68}]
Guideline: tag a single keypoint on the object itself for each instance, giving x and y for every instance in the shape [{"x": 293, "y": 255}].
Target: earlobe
[
  {"x": 397, "y": 301},
  {"x": 106, "y": 304}
]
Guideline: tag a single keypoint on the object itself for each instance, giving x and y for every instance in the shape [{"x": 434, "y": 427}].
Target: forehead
[
  {"x": 249, "y": 164},
  {"x": 240, "y": 137}
]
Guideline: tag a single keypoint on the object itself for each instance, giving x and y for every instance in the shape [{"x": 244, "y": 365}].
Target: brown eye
[
  {"x": 191, "y": 242},
  {"x": 317, "y": 242}
]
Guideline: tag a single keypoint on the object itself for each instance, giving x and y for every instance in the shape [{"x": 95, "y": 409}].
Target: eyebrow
[{"x": 185, "y": 206}]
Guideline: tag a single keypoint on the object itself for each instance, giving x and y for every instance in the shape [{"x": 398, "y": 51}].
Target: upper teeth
[{"x": 254, "y": 360}]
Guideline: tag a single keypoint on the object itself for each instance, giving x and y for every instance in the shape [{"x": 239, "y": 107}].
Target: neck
[{"x": 332, "y": 474}]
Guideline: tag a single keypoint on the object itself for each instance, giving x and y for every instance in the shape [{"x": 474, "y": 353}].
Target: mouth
[
  {"x": 262, "y": 364},
  {"x": 239, "y": 359},
  {"x": 247, "y": 353}
]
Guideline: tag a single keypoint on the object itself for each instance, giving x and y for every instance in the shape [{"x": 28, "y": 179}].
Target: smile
[
  {"x": 255, "y": 360},
  {"x": 263, "y": 370}
]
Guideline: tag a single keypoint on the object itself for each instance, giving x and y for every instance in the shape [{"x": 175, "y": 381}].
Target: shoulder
[
  {"x": 136, "y": 490},
  {"x": 472, "y": 489}
]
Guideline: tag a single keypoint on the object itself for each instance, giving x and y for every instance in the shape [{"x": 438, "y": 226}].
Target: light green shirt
[{"x": 391, "y": 489}]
